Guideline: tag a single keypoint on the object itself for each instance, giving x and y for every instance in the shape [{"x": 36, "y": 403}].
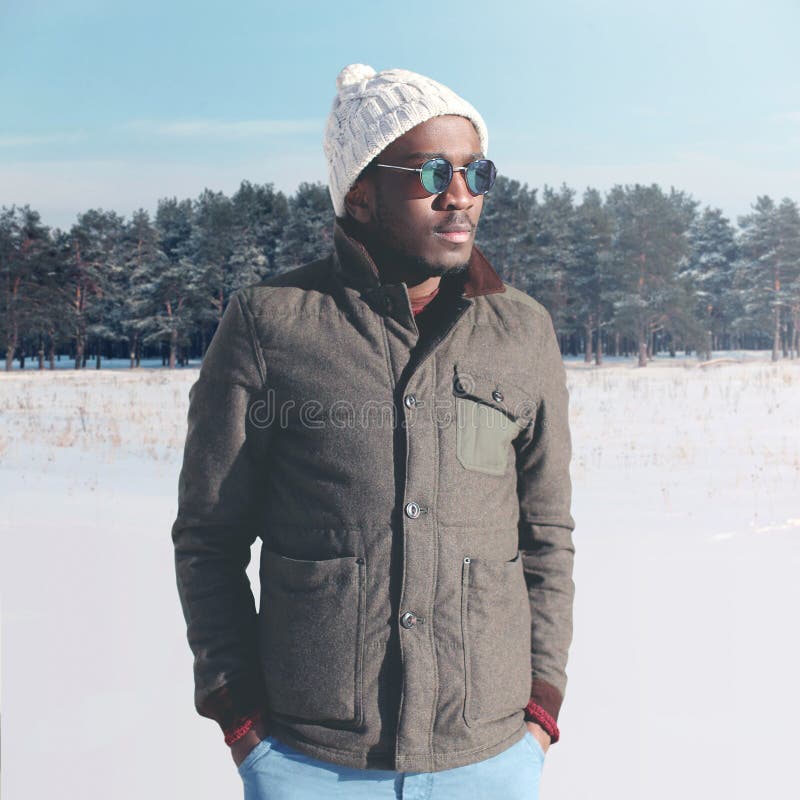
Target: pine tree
[
  {"x": 104, "y": 319},
  {"x": 709, "y": 265},
  {"x": 505, "y": 234},
  {"x": 45, "y": 322},
  {"x": 179, "y": 290},
  {"x": 649, "y": 244},
  {"x": 788, "y": 259},
  {"x": 212, "y": 245},
  {"x": 90, "y": 292},
  {"x": 552, "y": 256},
  {"x": 766, "y": 273},
  {"x": 144, "y": 261},
  {"x": 24, "y": 244},
  {"x": 57, "y": 311},
  {"x": 590, "y": 234},
  {"x": 261, "y": 215},
  {"x": 308, "y": 234}
]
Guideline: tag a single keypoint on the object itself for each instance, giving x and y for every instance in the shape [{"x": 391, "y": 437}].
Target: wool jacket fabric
[{"x": 412, "y": 496}]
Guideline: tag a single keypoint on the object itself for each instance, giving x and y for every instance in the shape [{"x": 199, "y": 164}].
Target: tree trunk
[
  {"x": 587, "y": 355},
  {"x": 40, "y": 352},
  {"x": 10, "y": 357},
  {"x": 776, "y": 335},
  {"x": 598, "y": 351},
  {"x": 642, "y": 349},
  {"x": 79, "y": 344},
  {"x": 173, "y": 345}
]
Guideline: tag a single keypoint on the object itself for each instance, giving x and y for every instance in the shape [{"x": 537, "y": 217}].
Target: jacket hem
[{"x": 386, "y": 760}]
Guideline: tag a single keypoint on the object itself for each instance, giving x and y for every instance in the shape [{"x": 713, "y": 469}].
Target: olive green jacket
[{"x": 413, "y": 505}]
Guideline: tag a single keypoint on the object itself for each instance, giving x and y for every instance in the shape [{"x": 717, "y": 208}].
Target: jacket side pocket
[
  {"x": 495, "y": 626},
  {"x": 312, "y": 618}
]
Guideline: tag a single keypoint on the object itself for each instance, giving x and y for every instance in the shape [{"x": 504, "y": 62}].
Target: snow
[{"x": 682, "y": 672}]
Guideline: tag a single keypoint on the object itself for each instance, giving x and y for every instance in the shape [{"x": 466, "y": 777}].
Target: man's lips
[{"x": 455, "y": 233}]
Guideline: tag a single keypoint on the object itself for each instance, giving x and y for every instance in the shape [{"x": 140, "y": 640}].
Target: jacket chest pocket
[
  {"x": 489, "y": 413},
  {"x": 311, "y": 621},
  {"x": 496, "y": 631}
]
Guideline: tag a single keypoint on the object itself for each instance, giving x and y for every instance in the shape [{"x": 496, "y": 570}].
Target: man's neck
[{"x": 418, "y": 287}]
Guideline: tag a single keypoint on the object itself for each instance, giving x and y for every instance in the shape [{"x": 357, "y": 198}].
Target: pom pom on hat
[
  {"x": 372, "y": 109},
  {"x": 354, "y": 73}
]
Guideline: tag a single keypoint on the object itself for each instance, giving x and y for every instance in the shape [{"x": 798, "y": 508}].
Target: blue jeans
[{"x": 275, "y": 771}]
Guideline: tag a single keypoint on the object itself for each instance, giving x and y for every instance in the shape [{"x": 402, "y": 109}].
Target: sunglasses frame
[{"x": 453, "y": 171}]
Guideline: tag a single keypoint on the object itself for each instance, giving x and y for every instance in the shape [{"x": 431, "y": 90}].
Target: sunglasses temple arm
[{"x": 392, "y": 166}]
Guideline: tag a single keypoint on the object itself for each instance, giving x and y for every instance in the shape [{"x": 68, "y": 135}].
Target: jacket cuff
[
  {"x": 241, "y": 727},
  {"x": 535, "y": 713},
  {"x": 231, "y": 705},
  {"x": 543, "y": 707}
]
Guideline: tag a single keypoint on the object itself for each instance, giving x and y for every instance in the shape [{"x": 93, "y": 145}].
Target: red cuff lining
[
  {"x": 535, "y": 713},
  {"x": 240, "y": 728}
]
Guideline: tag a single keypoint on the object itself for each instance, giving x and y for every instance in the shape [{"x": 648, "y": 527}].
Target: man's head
[{"x": 398, "y": 118}]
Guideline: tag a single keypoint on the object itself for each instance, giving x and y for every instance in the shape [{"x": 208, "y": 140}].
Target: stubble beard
[{"x": 392, "y": 250}]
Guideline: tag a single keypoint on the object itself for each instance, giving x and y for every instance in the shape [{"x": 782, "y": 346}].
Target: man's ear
[{"x": 356, "y": 201}]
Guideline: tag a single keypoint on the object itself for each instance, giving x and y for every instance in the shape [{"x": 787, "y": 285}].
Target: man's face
[{"x": 402, "y": 224}]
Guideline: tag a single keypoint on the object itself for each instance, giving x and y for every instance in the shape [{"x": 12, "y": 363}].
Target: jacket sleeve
[
  {"x": 545, "y": 529},
  {"x": 216, "y": 522}
]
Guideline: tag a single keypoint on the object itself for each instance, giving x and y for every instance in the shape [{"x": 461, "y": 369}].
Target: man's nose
[{"x": 457, "y": 194}]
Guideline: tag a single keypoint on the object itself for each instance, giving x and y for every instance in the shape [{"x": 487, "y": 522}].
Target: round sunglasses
[{"x": 436, "y": 173}]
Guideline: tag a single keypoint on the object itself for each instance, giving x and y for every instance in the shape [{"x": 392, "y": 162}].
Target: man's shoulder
[
  {"x": 516, "y": 297},
  {"x": 514, "y": 309},
  {"x": 305, "y": 276},
  {"x": 283, "y": 286}
]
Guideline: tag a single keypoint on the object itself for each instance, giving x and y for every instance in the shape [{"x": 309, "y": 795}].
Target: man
[{"x": 392, "y": 422}]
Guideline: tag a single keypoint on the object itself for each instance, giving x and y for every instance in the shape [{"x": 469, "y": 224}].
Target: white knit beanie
[{"x": 372, "y": 109}]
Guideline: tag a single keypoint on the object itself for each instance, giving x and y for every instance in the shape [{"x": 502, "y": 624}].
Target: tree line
[{"x": 635, "y": 272}]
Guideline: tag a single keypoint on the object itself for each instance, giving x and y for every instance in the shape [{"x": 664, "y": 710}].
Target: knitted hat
[{"x": 372, "y": 109}]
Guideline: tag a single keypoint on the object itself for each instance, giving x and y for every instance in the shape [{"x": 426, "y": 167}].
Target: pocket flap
[{"x": 494, "y": 391}]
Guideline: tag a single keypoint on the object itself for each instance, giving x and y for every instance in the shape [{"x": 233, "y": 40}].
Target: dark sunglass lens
[
  {"x": 436, "y": 175},
  {"x": 480, "y": 176}
]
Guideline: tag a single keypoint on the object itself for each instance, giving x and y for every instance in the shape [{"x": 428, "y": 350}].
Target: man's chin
[{"x": 428, "y": 269}]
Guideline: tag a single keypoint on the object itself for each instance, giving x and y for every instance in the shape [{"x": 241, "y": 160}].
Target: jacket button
[
  {"x": 497, "y": 396},
  {"x": 412, "y": 510},
  {"x": 408, "y": 620},
  {"x": 410, "y": 401}
]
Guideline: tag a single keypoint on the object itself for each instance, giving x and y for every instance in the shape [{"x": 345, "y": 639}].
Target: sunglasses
[{"x": 436, "y": 173}]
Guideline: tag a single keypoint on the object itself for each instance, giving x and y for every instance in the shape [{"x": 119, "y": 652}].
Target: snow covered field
[{"x": 682, "y": 675}]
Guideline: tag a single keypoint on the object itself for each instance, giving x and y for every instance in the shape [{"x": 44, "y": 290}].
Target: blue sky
[{"x": 116, "y": 104}]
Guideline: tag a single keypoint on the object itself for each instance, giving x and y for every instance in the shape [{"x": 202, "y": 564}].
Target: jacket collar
[{"x": 358, "y": 269}]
